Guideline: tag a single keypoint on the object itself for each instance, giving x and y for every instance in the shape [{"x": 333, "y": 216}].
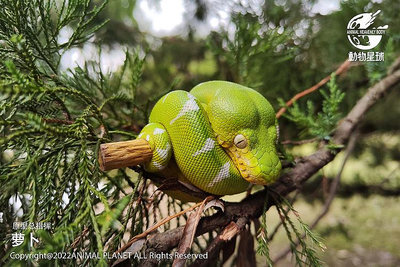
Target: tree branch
[
  {"x": 342, "y": 69},
  {"x": 252, "y": 206},
  {"x": 229, "y": 232},
  {"x": 329, "y": 200}
]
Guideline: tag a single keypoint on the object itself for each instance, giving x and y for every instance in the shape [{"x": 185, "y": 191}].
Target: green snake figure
[{"x": 221, "y": 135}]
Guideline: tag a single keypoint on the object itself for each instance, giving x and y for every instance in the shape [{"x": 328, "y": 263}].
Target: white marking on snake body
[
  {"x": 277, "y": 134},
  {"x": 158, "y": 165},
  {"x": 147, "y": 138},
  {"x": 158, "y": 131},
  {"x": 222, "y": 174},
  {"x": 208, "y": 146},
  {"x": 165, "y": 97},
  {"x": 163, "y": 153},
  {"x": 140, "y": 135},
  {"x": 190, "y": 105}
]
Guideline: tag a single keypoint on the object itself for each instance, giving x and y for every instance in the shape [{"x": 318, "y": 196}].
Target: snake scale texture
[{"x": 221, "y": 135}]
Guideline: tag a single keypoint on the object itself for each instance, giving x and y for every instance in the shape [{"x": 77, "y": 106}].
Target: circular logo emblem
[{"x": 362, "y": 34}]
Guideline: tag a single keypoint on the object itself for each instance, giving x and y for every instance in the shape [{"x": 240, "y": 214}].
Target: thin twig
[
  {"x": 102, "y": 130},
  {"x": 188, "y": 236},
  {"x": 332, "y": 192},
  {"x": 64, "y": 108},
  {"x": 163, "y": 221},
  {"x": 79, "y": 238},
  {"x": 300, "y": 142},
  {"x": 141, "y": 190},
  {"x": 58, "y": 121},
  {"x": 229, "y": 232},
  {"x": 342, "y": 68},
  {"x": 273, "y": 233}
]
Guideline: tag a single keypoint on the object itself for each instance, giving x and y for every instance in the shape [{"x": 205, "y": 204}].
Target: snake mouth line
[
  {"x": 239, "y": 161},
  {"x": 249, "y": 167}
]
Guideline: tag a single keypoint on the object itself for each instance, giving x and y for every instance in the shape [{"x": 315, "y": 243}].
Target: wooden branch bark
[
  {"x": 124, "y": 154},
  {"x": 252, "y": 206},
  {"x": 342, "y": 69},
  {"x": 329, "y": 200},
  {"x": 229, "y": 232}
]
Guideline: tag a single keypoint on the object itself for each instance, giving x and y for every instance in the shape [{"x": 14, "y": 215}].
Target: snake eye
[{"x": 240, "y": 141}]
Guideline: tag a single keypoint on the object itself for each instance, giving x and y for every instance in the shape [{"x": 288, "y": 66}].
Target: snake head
[
  {"x": 256, "y": 157},
  {"x": 253, "y": 150},
  {"x": 245, "y": 125}
]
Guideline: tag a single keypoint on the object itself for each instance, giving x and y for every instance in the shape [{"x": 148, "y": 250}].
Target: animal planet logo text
[{"x": 360, "y": 32}]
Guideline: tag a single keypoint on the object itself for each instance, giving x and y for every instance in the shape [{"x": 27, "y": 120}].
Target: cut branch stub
[{"x": 124, "y": 154}]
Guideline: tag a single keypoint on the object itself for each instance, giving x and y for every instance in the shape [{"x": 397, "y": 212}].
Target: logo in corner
[{"x": 362, "y": 34}]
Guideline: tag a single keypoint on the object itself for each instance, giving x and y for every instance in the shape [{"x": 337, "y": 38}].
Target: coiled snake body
[{"x": 222, "y": 136}]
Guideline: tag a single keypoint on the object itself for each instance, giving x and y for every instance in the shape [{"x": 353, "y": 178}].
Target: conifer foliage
[
  {"x": 52, "y": 122},
  {"x": 51, "y": 125}
]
